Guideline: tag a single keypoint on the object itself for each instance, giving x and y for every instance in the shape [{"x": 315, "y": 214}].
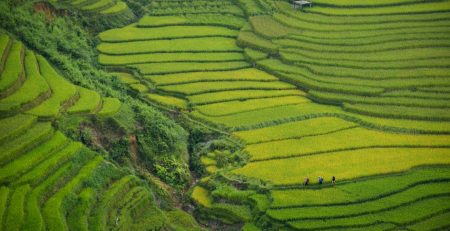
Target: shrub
[{"x": 171, "y": 170}]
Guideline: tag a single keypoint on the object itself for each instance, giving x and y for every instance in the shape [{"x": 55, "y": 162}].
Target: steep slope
[
  {"x": 50, "y": 182},
  {"x": 336, "y": 86}
]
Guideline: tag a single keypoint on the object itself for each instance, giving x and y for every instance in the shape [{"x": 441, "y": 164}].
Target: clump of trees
[{"x": 70, "y": 47}]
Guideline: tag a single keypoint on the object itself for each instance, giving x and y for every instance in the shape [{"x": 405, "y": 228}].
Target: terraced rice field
[
  {"x": 106, "y": 8},
  {"x": 47, "y": 180},
  {"x": 38, "y": 89},
  {"x": 353, "y": 89}
]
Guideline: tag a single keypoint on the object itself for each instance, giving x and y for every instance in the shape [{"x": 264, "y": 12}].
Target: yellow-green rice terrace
[{"x": 329, "y": 116}]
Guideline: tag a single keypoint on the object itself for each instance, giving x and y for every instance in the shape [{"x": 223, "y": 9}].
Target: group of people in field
[{"x": 333, "y": 180}]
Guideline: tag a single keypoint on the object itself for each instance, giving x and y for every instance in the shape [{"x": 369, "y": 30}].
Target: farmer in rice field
[
  {"x": 306, "y": 181},
  {"x": 333, "y": 180},
  {"x": 320, "y": 180}
]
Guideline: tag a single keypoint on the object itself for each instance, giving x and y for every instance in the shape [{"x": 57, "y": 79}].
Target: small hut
[{"x": 301, "y": 3}]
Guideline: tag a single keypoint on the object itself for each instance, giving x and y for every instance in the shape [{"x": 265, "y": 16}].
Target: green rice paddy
[
  {"x": 353, "y": 89},
  {"x": 364, "y": 99}
]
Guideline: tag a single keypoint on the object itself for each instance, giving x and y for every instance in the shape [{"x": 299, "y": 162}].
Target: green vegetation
[
  {"x": 209, "y": 44},
  {"x": 415, "y": 113},
  {"x": 88, "y": 102},
  {"x": 267, "y": 27},
  {"x": 141, "y": 88},
  {"x": 52, "y": 211},
  {"x": 4, "y": 191},
  {"x": 4, "y": 42},
  {"x": 45, "y": 168},
  {"x": 15, "y": 214},
  {"x": 233, "y": 107},
  {"x": 401, "y": 215},
  {"x": 164, "y": 8},
  {"x": 13, "y": 68},
  {"x": 270, "y": 116},
  {"x": 381, "y": 162},
  {"x": 412, "y": 8},
  {"x": 385, "y": 100},
  {"x": 35, "y": 134},
  {"x": 251, "y": 7},
  {"x": 224, "y": 96},
  {"x": 117, "y": 8},
  {"x": 12, "y": 126},
  {"x": 192, "y": 19},
  {"x": 439, "y": 221},
  {"x": 254, "y": 55},
  {"x": 34, "y": 88},
  {"x": 201, "y": 196},
  {"x": 136, "y": 34},
  {"x": 168, "y": 100},
  {"x": 249, "y": 74},
  {"x": 207, "y": 87},
  {"x": 169, "y": 57},
  {"x": 104, "y": 7},
  {"x": 106, "y": 126},
  {"x": 182, "y": 67},
  {"x": 249, "y": 39},
  {"x": 110, "y": 106},
  {"x": 181, "y": 220},
  {"x": 31, "y": 158},
  {"x": 358, "y": 191},
  {"x": 78, "y": 217},
  {"x": 62, "y": 91},
  {"x": 295, "y": 130},
  {"x": 126, "y": 77},
  {"x": 356, "y": 138},
  {"x": 53, "y": 182},
  {"x": 395, "y": 200}
]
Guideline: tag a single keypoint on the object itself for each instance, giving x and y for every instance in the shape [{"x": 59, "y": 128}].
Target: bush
[{"x": 171, "y": 170}]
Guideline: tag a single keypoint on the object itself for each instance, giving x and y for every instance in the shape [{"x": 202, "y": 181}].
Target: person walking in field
[
  {"x": 320, "y": 180},
  {"x": 333, "y": 180},
  {"x": 306, "y": 181}
]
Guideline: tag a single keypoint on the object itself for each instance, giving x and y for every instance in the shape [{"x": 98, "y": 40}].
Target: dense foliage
[{"x": 66, "y": 44}]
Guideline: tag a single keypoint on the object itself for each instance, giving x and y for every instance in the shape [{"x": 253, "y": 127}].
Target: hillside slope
[
  {"x": 350, "y": 89},
  {"x": 50, "y": 182}
]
